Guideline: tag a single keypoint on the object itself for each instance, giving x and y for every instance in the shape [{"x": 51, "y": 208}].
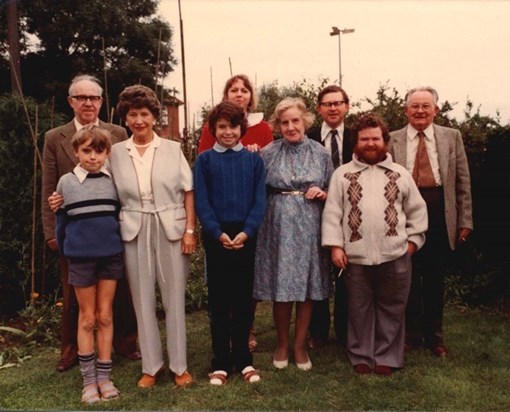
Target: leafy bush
[{"x": 16, "y": 203}]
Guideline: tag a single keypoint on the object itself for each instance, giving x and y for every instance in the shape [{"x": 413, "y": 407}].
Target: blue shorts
[{"x": 84, "y": 272}]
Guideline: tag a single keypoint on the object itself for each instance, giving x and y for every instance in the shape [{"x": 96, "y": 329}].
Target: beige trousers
[{"x": 151, "y": 258}]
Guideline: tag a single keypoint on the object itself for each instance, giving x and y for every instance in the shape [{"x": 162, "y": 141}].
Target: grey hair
[
  {"x": 288, "y": 103},
  {"x": 88, "y": 77},
  {"x": 429, "y": 89}
]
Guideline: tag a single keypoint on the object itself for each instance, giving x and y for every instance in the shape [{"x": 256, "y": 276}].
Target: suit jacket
[
  {"x": 454, "y": 171},
  {"x": 59, "y": 159},
  {"x": 167, "y": 189},
  {"x": 347, "y": 145}
]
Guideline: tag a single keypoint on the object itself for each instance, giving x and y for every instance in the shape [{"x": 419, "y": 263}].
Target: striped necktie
[{"x": 335, "y": 155}]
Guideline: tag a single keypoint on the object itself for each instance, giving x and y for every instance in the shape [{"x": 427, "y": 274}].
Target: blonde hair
[{"x": 286, "y": 104}]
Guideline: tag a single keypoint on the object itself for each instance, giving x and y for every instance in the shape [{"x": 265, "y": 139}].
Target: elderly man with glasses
[
  {"x": 436, "y": 157},
  {"x": 85, "y": 98}
]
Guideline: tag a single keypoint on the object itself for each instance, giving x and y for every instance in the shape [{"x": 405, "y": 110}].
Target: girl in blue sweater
[{"x": 230, "y": 201}]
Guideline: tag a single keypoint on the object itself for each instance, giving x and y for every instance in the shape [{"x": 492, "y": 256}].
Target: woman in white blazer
[{"x": 157, "y": 222}]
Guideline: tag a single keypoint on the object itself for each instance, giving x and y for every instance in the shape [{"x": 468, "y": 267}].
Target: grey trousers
[
  {"x": 151, "y": 258},
  {"x": 377, "y": 303}
]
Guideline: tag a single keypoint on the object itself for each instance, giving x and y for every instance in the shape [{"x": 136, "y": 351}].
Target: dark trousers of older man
[{"x": 424, "y": 315}]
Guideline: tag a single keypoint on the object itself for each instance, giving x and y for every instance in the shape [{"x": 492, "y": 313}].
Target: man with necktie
[
  {"x": 333, "y": 105},
  {"x": 436, "y": 157}
]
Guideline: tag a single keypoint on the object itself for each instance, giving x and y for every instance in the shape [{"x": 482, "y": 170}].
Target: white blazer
[{"x": 167, "y": 180}]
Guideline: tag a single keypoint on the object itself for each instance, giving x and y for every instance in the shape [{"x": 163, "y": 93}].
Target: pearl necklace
[{"x": 141, "y": 146}]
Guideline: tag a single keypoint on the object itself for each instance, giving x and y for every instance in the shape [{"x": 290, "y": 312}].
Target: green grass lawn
[{"x": 476, "y": 376}]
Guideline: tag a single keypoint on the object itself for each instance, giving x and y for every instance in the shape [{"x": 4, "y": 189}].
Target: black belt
[{"x": 275, "y": 191}]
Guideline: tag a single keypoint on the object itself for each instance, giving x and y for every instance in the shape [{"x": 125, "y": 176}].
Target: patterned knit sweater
[
  {"x": 229, "y": 187},
  {"x": 372, "y": 212},
  {"x": 87, "y": 224}
]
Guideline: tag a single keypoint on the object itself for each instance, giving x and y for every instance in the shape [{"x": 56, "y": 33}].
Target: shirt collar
[
  {"x": 326, "y": 129},
  {"x": 412, "y": 132},
  {"x": 82, "y": 174},
  {"x": 220, "y": 149},
  {"x": 254, "y": 118},
  {"x": 80, "y": 126}
]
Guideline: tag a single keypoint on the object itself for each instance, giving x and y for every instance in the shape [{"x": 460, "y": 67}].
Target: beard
[{"x": 371, "y": 156}]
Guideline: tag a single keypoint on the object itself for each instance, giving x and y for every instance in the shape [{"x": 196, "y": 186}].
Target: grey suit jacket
[
  {"x": 59, "y": 159},
  {"x": 454, "y": 170}
]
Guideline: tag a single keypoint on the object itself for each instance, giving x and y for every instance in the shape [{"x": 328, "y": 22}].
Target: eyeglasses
[
  {"x": 83, "y": 99},
  {"x": 425, "y": 107},
  {"x": 332, "y": 104}
]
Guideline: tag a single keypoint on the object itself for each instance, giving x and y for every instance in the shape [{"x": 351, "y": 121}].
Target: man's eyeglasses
[
  {"x": 425, "y": 107},
  {"x": 83, "y": 99},
  {"x": 332, "y": 104}
]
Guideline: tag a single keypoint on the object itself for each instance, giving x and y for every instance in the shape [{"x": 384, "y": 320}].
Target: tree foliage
[
  {"x": 63, "y": 38},
  {"x": 16, "y": 203}
]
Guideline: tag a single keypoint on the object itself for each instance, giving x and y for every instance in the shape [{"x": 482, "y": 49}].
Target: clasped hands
[
  {"x": 233, "y": 244},
  {"x": 316, "y": 192}
]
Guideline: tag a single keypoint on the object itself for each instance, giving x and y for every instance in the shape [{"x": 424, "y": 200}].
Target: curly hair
[
  {"x": 138, "y": 97},
  {"x": 369, "y": 121}
]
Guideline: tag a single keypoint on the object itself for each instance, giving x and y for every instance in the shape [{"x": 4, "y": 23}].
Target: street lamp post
[{"x": 337, "y": 32}]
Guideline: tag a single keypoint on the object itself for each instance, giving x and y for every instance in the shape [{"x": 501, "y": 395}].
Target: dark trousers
[
  {"x": 124, "y": 319},
  {"x": 424, "y": 314},
  {"x": 230, "y": 286},
  {"x": 321, "y": 318}
]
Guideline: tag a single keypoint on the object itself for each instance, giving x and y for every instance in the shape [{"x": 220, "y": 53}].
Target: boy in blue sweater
[
  {"x": 88, "y": 235},
  {"x": 230, "y": 201}
]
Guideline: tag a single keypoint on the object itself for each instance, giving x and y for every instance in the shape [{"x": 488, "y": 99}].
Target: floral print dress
[{"x": 290, "y": 264}]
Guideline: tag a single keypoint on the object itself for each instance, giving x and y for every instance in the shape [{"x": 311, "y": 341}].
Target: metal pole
[
  {"x": 339, "y": 59},
  {"x": 185, "y": 97}
]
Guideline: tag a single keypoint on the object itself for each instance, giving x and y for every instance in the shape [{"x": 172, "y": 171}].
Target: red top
[{"x": 260, "y": 133}]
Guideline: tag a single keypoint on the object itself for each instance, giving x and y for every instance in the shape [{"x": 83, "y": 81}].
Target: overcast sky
[{"x": 462, "y": 48}]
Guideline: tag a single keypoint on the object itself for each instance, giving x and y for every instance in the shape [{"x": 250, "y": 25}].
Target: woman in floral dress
[{"x": 291, "y": 265}]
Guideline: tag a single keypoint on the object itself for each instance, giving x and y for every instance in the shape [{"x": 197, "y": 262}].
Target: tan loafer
[
  {"x": 148, "y": 381},
  {"x": 183, "y": 380}
]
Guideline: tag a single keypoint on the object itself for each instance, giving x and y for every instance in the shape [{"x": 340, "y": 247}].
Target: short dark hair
[
  {"x": 332, "y": 89},
  {"x": 368, "y": 121},
  {"x": 247, "y": 83},
  {"x": 101, "y": 139},
  {"x": 138, "y": 97},
  {"x": 228, "y": 111}
]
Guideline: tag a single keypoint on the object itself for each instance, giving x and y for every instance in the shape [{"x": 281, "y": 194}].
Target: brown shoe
[
  {"x": 183, "y": 380},
  {"x": 133, "y": 356},
  {"x": 65, "y": 364},
  {"x": 362, "y": 369},
  {"x": 440, "y": 351},
  {"x": 148, "y": 381},
  {"x": 383, "y": 370}
]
